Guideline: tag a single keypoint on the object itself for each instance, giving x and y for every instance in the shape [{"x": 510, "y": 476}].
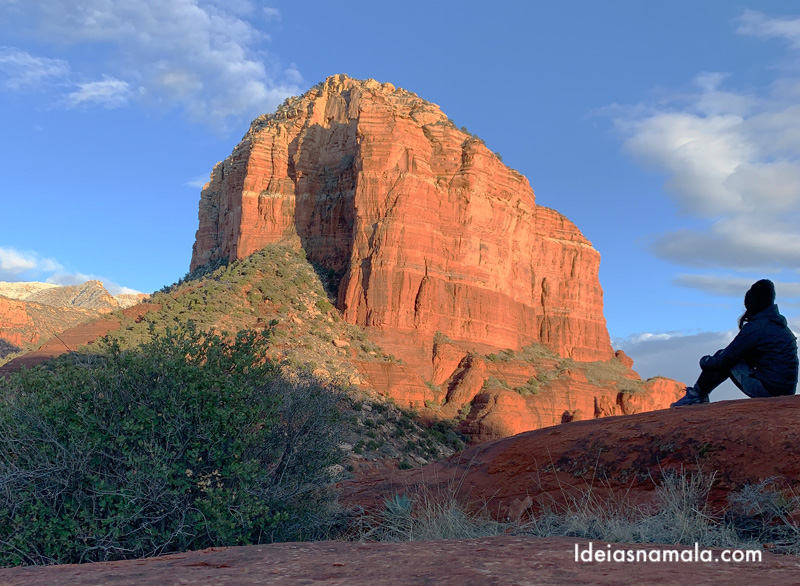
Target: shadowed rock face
[{"x": 428, "y": 229}]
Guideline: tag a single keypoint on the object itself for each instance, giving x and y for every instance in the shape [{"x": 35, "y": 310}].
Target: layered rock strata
[{"x": 428, "y": 229}]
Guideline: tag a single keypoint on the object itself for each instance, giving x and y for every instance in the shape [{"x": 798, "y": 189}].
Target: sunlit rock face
[{"x": 428, "y": 229}]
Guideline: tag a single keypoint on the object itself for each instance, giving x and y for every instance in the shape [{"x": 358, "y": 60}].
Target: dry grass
[
  {"x": 758, "y": 517},
  {"x": 679, "y": 515},
  {"x": 425, "y": 516}
]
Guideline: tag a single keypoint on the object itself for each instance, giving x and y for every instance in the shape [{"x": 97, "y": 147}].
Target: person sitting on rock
[{"x": 762, "y": 358}]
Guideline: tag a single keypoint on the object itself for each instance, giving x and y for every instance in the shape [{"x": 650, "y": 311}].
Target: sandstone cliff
[
  {"x": 428, "y": 229},
  {"x": 440, "y": 251}
]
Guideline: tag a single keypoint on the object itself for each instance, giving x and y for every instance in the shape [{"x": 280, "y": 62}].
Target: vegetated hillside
[
  {"x": 278, "y": 290},
  {"x": 275, "y": 288},
  {"x": 486, "y": 395}
]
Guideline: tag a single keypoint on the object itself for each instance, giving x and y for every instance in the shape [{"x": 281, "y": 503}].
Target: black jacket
[{"x": 769, "y": 346}]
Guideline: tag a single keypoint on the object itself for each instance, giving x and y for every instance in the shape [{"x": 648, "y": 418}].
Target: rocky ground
[
  {"x": 740, "y": 442},
  {"x": 506, "y": 560}
]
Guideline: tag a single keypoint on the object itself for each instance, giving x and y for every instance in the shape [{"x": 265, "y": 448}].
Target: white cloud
[
  {"x": 732, "y": 159},
  {"x": 733, "y": 286},
  {"x": 109, "y": 93},
  {"x": 15, "y": 262},
  {"x": 757, "y": 24},
  {"x": 16, "y": 265},
  {"x": 648, "y": 337},
  {"x": 676, "y": 355},
  {"x": 202, "y": 56},
  {"x": 198, "y": 181},
  {"x": 23, "y": 71},
  {"x": 272, "y": 13}
]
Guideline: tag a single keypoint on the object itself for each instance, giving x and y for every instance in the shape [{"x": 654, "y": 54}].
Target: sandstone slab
[{"x": 508, "y": 560}]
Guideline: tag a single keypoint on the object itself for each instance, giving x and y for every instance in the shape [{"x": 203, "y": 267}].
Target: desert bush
[
  {"x": 531, "y": 387},
  {"x": 7, "y": 348},
  {"x": 767, "y": 513},
  {"x": 190, "y": 441},
  {"x": 760, "y": 516},
  {"x": 679, "y": 515},
  {"x": 425, "y": 516}
]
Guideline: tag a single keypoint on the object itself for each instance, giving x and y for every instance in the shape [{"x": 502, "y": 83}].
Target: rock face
[
  {"x": 428, "y": 229},
  {"x": 439, "y": 250}
]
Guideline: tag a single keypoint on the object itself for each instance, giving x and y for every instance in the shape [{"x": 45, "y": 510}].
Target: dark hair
[{"x": 759, "y": 297}]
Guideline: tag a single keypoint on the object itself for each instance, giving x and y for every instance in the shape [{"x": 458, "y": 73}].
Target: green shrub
[
  {"x": 188, "y": 442},
  {"x": 324, "y": 305},
  {"x": 529, "y": 388}
]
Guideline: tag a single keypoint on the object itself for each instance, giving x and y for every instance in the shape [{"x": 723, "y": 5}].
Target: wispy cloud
[
  {"x": 199, "y": 181},
  {"x": 205, "y": 57},
  {"x": 732, "y": 160},
  {"x": 109, "y": 93},
  {"x": 733, "y": 286},
  {"x": 15, "y": 262},
  {"x": 757, "y": 24},
  {"x": 272, "y": 13},
  {"x": 20, "y": 70},
  {"x": 18, "y": 265}
]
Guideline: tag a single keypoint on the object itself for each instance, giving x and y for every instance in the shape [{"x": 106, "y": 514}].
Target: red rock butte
[{"x": 429, "y": 229}]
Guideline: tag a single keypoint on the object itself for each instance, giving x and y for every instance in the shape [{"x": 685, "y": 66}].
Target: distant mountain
[
  {"x": 89, "y": 295},
  {"x": 23, "y": 290},
  {"x": 33, "y": 312}
]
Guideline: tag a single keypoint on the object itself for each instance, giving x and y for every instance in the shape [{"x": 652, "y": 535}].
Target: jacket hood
[{"x": 771, "y": 313}]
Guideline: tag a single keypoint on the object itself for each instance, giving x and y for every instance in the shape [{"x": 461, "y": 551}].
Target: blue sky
[{"x": 668, "y": 132}]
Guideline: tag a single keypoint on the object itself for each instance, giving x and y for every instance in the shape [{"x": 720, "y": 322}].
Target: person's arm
[{"x": 742, "y": 345}]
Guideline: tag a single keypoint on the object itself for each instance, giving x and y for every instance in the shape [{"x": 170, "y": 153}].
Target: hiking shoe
[{"x": 692, "y": 397}]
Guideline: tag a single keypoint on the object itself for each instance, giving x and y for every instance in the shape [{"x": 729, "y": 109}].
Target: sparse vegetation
[
  {"x": 495, "y": 383},
  {"x": 678, "y": 515},
  {"x": 551, "y": 366},
  {"x": 529, "y": 388},
  {"x": 767, "y": 513},
  {"x": 425, "y": 516},
  {"x": 7, "y": 349}
]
